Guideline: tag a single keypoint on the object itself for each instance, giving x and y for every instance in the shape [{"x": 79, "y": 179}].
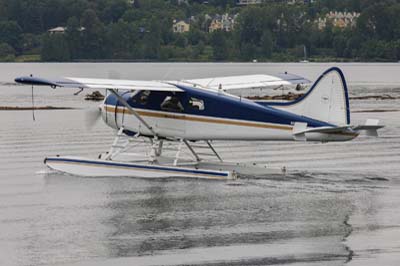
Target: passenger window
[
  {"x": 144, "y": 97},
  {"x": 196, "y": 104},
  {"x": 172, "y": 104}
]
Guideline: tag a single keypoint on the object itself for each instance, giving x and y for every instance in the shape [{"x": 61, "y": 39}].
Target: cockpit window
[
  {"x": 196, "y": 104},
  {"x": 144, "y": 97},
  {"x": 172, "y": 104}
]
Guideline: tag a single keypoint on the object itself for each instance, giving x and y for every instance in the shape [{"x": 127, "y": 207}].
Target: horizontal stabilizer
[
  {"x": 371, "y": 127},
  {"x": 330, "y": 130}
]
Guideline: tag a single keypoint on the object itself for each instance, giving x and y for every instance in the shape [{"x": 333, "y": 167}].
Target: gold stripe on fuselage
[
  {"x": 197, "y": 118},
  {"x": 186, "y": 117}
]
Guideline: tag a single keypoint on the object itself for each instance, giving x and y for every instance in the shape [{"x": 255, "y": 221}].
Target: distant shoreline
[{"x": 327, "y": 60}]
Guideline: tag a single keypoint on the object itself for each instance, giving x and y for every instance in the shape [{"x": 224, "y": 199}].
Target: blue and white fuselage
[
  {"x": 220, "y": 117},
  {"x": 212, "y": 115}
]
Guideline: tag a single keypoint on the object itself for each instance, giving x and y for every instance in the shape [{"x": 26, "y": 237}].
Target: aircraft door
[
  {"x": 172, "y": 120},
  {"x": 119, "y": 111}
]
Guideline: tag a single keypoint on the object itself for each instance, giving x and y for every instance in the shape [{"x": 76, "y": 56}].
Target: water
[{"x": 341, "y": 209}]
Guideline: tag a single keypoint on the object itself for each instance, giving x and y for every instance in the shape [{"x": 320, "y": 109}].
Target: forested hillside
[{"x": 143, "y": 30}]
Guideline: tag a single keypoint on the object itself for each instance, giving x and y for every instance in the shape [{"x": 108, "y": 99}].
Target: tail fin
[{"x": 327, "y": 100}]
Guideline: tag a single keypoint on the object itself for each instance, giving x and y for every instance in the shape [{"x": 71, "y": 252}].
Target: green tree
[
  {"x": 55, "y": 48},
  {"x": 3, "y": 10},
  {"x": 73, "y": 37},
  {"x": 254, "y": 32},
  {"x": 121, "y": 38},
  {"x": 152, "y": 40},
  {"x": 181, "y": 40},
  {"x": 113, "y": 10},
  {"x": 194, "y": 36},
  {"x": 267, "y": 43},
  {"x": 7, "y": 52},
  {"x": 340, "y": 44},
  {"x": 248, "y": 51},
  {"x": 219, "y": 45},
  {"x": 92, "y": 36},
  {"x": 10, "y": 33},
  {"x": 30, "y": 42}
]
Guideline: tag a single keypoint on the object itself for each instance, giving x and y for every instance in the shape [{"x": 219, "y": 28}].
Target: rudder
[{"x": 327, "y": 100}]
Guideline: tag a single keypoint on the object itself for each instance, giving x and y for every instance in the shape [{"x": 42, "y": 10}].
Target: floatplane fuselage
[{"x": 207, "y": 115}]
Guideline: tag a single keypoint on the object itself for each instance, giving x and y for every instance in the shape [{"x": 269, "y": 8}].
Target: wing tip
[{"x": 30, "y": 80}]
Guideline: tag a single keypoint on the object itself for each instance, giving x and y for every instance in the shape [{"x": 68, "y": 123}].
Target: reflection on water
[{"x": 341, "y": 207}]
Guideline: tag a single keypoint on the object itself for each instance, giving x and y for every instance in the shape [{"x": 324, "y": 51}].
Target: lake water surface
[{"x": 342, "y": 208}]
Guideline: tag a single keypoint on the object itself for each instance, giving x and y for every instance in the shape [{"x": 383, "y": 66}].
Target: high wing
[
  {"x": 85, "y": 83},
  {"x": 110, "y": 84},
  {"x": 226, "y": 83},
  {"x": 248, "y": 81}
]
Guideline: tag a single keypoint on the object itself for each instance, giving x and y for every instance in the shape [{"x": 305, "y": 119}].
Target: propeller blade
[{"x": 92, "y": 117}]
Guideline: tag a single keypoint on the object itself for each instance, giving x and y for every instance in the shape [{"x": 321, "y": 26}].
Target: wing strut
[
  {"x": 124, "y": 102},
  {"x": 214, "y": 151},
  {"x": 192, "y": 150}
]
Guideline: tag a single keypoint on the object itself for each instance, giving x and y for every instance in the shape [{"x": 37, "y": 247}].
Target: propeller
[{"x": 92, "y": 116}]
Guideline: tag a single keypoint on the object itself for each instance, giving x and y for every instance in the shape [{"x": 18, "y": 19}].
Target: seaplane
[{"x": 193, "y": 114}]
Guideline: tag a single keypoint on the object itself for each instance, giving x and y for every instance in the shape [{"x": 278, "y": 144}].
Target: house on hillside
[
  {"x": 61, "y": 30},
  {"x": 223, "y": 22},
  {"x": 248, "y": 2},
  {"x": 180, "y": 26},
  {"x": 256, "y": 2},
  {"x": 57, "y": 30},
  {"x": 293, "y": 2},
  {"x": 338, "y": 19}
]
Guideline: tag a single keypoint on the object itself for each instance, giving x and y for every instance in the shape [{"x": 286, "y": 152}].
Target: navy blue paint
[
  {"x": 36, "y": 81},
  {"x": 129, "y": 133},
  {"x": 152, "y": 167},
  {"x": 219, "y": 105},
  {"x": 47, "y": 82},
  {"x": 312, "y": 88}
]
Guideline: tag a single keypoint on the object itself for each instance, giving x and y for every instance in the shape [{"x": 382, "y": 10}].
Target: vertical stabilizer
[{"x": 327, "y": 100}]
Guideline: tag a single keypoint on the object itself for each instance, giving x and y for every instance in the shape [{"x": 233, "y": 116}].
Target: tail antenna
[{"x": 33, "y": 104}]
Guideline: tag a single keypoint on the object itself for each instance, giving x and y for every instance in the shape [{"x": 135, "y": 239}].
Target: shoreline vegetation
[
  {"x": 37, "y": 59},
  {"x": 199, "y": 31}
]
